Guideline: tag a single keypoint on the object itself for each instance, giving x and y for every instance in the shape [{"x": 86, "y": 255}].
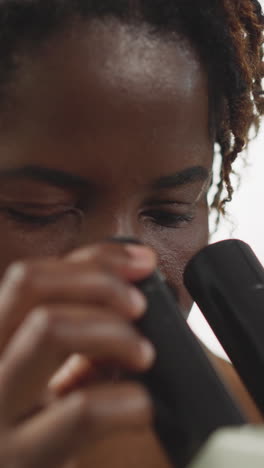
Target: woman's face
[{"x": 106, "y": 134}]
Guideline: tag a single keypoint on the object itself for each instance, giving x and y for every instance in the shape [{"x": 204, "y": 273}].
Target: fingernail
[
  {"x": 148, "y": 353},
  {"x": 138, "y": 301},
  {"x": 141, "y": 255}
]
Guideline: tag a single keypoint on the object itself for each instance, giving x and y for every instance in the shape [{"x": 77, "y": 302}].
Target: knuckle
[
  {"x": 115, "y": 250},
  {"x": 108, "y": 254},
  {"x": 42, "y": 319},
  {"x": 140, "y": 391},
  {"x": 90, "y": 253},
  {"x": 142, "y": 399},
  {"x": 110, "y": 286},
  {"x": 100, "y": 257},
  {"x": 85, "y": 411},
  {"x": 100, "y": 407},
  {"x": 82, "y": 404},
  {"x": 91, "y": 410},
  {"x": 22, "y": 276}
]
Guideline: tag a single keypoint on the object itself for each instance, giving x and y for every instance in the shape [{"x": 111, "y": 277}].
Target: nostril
[{"x": 124, "y": 240}]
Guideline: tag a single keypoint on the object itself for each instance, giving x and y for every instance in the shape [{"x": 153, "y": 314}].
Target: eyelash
[
  {"x": 161, "y": 218},
  {"x": 35, "y": 220},
  {"x": 168, "y": 219}
]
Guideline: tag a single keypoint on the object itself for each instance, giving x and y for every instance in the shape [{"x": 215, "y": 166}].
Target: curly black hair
[{"x": 226, "y": 34}]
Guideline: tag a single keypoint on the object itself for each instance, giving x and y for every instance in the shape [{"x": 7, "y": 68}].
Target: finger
[
  {"x": 81, "y": 418},
  {"x": 77, "y": 370},
  {"x": 27, "y": 285},
  {"x": 131, "y": 262},
  {"x": 48, "y": 337}
]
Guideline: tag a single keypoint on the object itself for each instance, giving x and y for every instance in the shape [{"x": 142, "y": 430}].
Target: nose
[{"x": 107, "y": 224}]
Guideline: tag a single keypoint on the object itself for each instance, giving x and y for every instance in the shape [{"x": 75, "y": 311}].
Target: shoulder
[{"x": 230, "y": 377}]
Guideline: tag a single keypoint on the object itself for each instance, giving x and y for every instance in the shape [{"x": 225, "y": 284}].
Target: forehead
[{"x": 109, "y": 89}]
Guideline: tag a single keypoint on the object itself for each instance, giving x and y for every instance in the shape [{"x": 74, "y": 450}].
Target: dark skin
[{"x": 118, "y": 113}]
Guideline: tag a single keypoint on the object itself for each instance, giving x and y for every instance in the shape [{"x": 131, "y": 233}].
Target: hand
[{"x": 50, "y": 309}]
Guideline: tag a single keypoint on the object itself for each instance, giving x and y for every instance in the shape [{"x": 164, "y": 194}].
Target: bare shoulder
[{"x": 236, "y": 387}]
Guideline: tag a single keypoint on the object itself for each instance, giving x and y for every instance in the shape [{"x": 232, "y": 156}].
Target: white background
[{"x": 247, "y": 213}]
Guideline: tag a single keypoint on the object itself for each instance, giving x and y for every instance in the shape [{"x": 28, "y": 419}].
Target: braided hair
[{"x": 226, "y": 34}]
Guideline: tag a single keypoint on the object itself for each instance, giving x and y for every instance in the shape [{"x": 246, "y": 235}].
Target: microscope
[{"x": 196, "y": 419}]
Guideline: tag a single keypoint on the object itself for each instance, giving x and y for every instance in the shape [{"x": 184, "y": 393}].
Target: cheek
[
  {"x": 175, "y": 247},
  {"x": 17, "y": 243}
]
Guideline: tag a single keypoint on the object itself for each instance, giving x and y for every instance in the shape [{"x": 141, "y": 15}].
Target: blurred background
[{"x": 246, "y": 222}]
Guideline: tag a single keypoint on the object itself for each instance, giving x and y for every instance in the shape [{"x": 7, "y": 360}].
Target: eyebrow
[
  {"x": 72, "y": 181},
  {"x": 187, "y": 176},
  {"x": 42, "y": 174}
]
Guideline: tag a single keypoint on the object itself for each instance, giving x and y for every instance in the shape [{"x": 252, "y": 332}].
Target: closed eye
[
  {"x": 37, "y": 220},
  {"x": 168, "y": 219}
]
